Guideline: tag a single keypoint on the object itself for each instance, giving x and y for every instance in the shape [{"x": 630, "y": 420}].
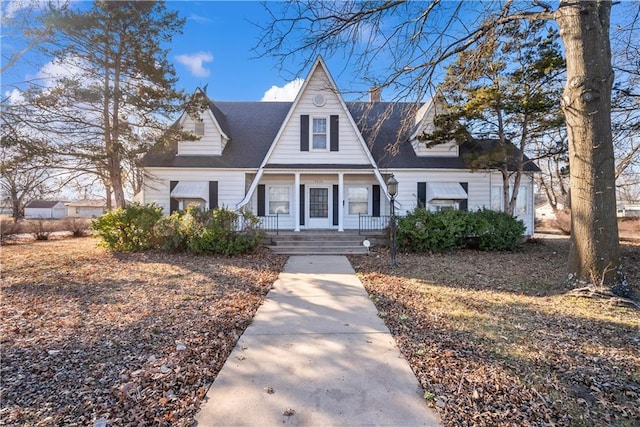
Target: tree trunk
[{"x": 593, "y": 257}]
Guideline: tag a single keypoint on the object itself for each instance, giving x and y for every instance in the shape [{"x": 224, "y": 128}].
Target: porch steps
[{"x": 316, "y": 243}]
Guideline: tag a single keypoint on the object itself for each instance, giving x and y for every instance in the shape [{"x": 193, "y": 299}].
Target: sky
[{"x": 215, "y": 50}]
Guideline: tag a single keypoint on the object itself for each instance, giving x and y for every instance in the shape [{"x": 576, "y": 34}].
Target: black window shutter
[
  {"x": 304, "y": 132},
  {"x": 213, "y": 194},
  {"x": 261, "y": 200},
  {"x": 333, "y": 129},
  {"x": 302, "y": 204},
  {"x": 422, "y": 194},
  {"x": 335, "y": 205},
  {"x": 376, "y": 200},
  {"x": 174, "y": 204},
  {"x": 464, "y": 204}
]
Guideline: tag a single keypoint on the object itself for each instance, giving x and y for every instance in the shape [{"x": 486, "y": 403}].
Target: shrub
[
  {"x": 128, "y": 229},
  {"x": 497, "y": 231},
  {"x": 562, "y": 221},
  {"x": 41, "y": 229},
  {"x": 77, "y": 226},
  {"x": 209, "y": 232},
  {"x": 8, "y": 226},
  {"x": 425, "y": 231}
]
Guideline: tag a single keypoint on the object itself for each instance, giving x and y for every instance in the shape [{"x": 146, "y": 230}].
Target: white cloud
[
  {"x": 14, "y": 97},
  {"x": 286, "y": 93},
  {"x": 195, "y": 62},
  {"x": 199, "y": 19}
]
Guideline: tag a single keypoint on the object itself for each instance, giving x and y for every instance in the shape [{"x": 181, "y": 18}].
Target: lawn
[
  {"x": 133, "y": 339},
  {"x": 495, "y": 339},
  {"x": 136, "y": 339}
]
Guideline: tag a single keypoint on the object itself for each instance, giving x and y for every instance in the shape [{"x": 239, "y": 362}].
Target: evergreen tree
[{"x": 505, "y": 90}]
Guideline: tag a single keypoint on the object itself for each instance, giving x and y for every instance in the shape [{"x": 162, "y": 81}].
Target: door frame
[{"x": 317, "y": 223}]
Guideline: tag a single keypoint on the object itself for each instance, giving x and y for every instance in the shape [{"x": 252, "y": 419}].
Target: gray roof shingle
[{"x": 252, "y": 127}]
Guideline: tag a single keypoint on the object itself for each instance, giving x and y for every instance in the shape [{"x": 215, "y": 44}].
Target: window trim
[
  {"x": 327, "y": 133},
  {"x": 369, "y": 190},
  {"x": 196, "y": 124},
  {"x": 267, "y": 200}
]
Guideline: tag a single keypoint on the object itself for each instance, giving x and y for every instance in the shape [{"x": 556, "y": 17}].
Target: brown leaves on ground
[
  {"x": 495, "y": 340},
  {"x": 131, "y": 339}
]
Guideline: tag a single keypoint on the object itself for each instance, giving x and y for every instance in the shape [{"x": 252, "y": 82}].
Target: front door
[{"x": 319, "y": 207}]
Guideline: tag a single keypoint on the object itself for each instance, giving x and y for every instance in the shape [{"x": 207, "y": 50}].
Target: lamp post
[{"x": 392, "y": 188}]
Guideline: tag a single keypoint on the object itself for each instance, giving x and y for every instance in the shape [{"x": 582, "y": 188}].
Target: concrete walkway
[{"x": 317, "y": 351}]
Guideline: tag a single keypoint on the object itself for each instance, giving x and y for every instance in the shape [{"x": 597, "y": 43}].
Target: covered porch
[{"x": 319, "y": 199}]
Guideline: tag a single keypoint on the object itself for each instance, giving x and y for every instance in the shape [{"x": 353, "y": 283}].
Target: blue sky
[
  {"x": 215, "y": 49},
  {"x": 224, "y": 33}
]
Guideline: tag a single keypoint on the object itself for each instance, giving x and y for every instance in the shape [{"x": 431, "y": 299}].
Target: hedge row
[
  {"x": 424, "y": 231},
  {"x": 141, "y": 227}
]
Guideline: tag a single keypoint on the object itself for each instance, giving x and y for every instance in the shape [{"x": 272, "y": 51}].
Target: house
[
  {"x": 45, "y": 209},
  {"x": 627, "y": 209},
  {"x": 86, "y": 208},
  {"x": 321, "y": 163}
]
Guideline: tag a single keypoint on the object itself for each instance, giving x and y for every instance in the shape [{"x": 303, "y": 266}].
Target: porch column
[
  {"x": 296, "y": 201},
  {"x": 340, "y": 200}
]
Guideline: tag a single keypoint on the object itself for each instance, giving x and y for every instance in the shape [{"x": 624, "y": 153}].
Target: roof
[
  {"x": 252, "y": 127},
  {"x": 97, "y": 203},
  {"x": 42, "y": 204}
]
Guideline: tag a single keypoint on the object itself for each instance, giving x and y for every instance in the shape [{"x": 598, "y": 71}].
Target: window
[
  {"x": 496, "y": 198},
  {"x": 319, "y": 134},
  {"x": 198, "y": 127},
  {"x": 443, "y": 205},
  {"x": 196, "y": 203},
  {"x": 358, "y": 200},
  {"x": 521, "y": 201},
  {"x": 279, "y": 200}
]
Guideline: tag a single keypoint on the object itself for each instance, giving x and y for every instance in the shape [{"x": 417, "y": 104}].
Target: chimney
[{"x": 374, "y": 94}]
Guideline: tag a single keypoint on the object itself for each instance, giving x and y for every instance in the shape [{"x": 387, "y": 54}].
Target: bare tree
[
  {"x": 414, "y": 39},
  {"x": 119, "y": 92}
]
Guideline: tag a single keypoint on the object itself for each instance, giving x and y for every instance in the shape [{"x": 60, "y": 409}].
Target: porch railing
[
  {"x": 368, "y": 223},
  {"x": 270, "y": 223},
  {"x": 266, "y": 223}
]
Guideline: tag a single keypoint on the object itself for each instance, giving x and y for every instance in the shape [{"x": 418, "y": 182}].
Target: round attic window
[{"x": 319, "y": 100}]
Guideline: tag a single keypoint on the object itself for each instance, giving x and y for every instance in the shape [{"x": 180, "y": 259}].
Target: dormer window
[
  {"x": 319, "y": 134},
  {"x": 198, "y": 127}
]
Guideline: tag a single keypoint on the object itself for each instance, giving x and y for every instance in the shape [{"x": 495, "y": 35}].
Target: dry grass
[
  {"x": 136, "y": 339},
  {"x": 132, "y": 339},
  {"x": 495, "y": 340}
]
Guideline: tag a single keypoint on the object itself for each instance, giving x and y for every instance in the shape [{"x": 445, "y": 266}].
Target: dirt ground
[
  {"x": 135, "y": 339},
  {"x": 132, "y": 339},
  {"x": 496, "y": 340}
]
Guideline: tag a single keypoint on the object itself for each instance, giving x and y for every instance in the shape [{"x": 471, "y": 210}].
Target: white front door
[{"x": 319, "y": 207}]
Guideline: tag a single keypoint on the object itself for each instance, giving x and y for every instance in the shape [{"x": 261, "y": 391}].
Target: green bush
[
  {"x": 128, "y": 229},
  {"x": 425, "y": 231},
  {"x": 497, "y": 231},
  {"x": 209, "y": 232}
]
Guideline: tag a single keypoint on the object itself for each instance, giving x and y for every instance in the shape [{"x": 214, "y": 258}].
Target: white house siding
[
  {"x": 328, "y": 178},
  {"x": 528, "y": 218},
  {"x": 479, "y": 191},
  {"x": 58, "y": 211},
  {"x": 479, "y": 194},
  {"x": 84, "y": 211},
  {"x": 157, "y": 181},
  {"x": 287, "y": 149},
  {"x": 449, "y": 149},
  {"x": 210, "y": 143}
]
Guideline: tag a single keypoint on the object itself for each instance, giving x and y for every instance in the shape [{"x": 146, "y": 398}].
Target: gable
[
  {"x": 318, "y": 114},
  {"x": 213, "y": 139},
  {"x": 425, "y": 123}
]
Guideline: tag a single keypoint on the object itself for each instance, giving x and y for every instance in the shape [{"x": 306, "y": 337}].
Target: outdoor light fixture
[{"x": 392, "y": 188}]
